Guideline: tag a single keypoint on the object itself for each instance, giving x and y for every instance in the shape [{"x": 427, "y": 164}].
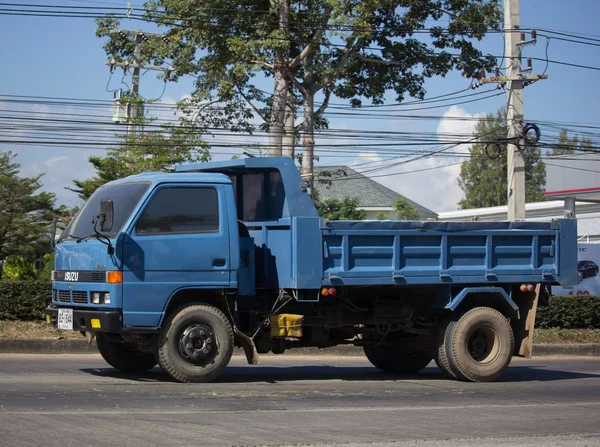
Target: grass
[
  {"x": 40, "y": 329},
  {"x": 566, "y": 336},
  {"x": 33, "y": 329}
]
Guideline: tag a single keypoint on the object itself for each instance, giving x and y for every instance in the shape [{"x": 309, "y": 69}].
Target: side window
[{"x": 180, "y": 211}]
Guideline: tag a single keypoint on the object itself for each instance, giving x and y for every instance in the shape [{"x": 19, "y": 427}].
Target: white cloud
[
  {"x": 429, "y": 181},
  {"x": 369, "y": 156},
  {"x": 54, "y": 161}
]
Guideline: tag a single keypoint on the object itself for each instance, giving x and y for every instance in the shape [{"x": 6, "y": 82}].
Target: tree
[
  {"x": 24, "y": 214},
  {"x": 338, "y": 209},
  {"x": 483, "y": 177},
  {"x": 565, "y": 145},
  {"x": 150, "y": 151},
  {"x": 404, "y": 210},
  {"x": 355, "y": 50}
]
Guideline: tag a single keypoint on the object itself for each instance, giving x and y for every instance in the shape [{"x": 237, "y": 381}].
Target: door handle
[{"x": 218, "y": 262}]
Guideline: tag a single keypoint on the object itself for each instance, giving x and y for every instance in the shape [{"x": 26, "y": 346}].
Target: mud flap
[
  {"x": 248, "y": 346},
  {"x": 528, "y": 303}
]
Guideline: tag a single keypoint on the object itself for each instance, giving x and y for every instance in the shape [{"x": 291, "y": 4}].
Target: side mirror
[{"x": 107, "y": 212}]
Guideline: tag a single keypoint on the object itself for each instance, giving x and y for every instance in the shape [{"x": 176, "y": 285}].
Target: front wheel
[
  {"x": 195, "y": 343},
  {"x": 401, "y": 357},
  {"x": 479, "y": 345},
  {"x": 120, "y": 357}
]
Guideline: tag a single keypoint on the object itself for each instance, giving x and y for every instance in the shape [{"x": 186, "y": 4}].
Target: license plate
[{"x": 65, "y": 319}]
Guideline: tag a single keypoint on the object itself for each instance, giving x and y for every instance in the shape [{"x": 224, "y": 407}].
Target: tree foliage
[
  {"x": 483, "y": 177},
  {"x": 354, "y": 50},
  {"x": 565, "y": 145},
  {"x": 338, "y": 209},
  {"x": 404, "y": 210},
  {"x": 148, "y": 151},
  {"x": 25, "y": 213}
]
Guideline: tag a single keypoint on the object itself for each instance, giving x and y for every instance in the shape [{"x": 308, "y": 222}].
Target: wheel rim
[
  {"x": 197, "y": 344},
  {"x": 483, "y": 344}
]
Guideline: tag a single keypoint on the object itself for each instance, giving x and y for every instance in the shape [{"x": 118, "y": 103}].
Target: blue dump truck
[{"x": 177, "y": 269}]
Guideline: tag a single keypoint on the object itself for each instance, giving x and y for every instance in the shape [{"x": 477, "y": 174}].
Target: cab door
[{"x": 179, "y": 240}]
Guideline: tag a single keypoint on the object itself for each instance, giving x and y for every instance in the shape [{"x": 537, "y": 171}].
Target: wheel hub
[
  {"x": 197, "y": 344},
  {"x": 480, "y": 344}
]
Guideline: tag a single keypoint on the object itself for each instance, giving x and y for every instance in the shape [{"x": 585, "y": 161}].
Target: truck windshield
[{"x": 124, "y": 196}]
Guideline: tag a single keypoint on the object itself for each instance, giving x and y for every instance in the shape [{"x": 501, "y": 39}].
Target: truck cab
[{"x": 179, "y": 268}]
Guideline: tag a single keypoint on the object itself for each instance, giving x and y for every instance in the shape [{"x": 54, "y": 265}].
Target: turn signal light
[
  {"x": 114, "y": 277},
  {"x": 328, "y": 292},
  {"x": 527, "y": 287}
]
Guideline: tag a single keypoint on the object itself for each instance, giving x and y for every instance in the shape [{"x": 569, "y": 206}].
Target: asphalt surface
[{"x": 75, "y": 400}]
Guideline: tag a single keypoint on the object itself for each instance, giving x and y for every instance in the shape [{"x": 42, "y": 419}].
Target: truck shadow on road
[{"x": 278, "y": 374}]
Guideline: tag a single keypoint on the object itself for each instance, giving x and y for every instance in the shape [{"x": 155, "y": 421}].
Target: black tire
[
  {"x": 441, "y": 358},
  {"x": 195, "y": 343},
  {"x": 479, "y": 345},
  {"x": 120, "y": 357},
  {"x": 399, "y": 358}
]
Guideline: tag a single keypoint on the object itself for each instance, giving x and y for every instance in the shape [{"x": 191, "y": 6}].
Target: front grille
[
  {"x": 98, "y": 276},
  {"x": 64, "y": 296},
  {"x": 80, "y": 297}
]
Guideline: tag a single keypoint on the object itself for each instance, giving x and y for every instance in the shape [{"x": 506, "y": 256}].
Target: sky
[{"x": 61, "y": 57}]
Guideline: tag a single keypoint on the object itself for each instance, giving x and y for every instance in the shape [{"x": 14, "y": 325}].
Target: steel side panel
[
  {"x": 307, "y": 253},
  {"x": 445, "y": 254}
]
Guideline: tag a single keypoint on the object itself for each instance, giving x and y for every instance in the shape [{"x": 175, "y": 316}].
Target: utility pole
[
  {"x": 134, "y": 108},
  {"x": 514, "y": 113},
  {"x": 514, "y": 80}
]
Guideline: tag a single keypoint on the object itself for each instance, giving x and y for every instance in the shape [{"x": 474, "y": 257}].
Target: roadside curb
[{"x": 73, "y": 346}]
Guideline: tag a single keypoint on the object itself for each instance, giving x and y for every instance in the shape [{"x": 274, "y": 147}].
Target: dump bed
[{"x": 363, "y": 253}]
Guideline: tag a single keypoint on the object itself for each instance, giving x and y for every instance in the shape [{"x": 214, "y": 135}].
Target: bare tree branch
[
  {"x": 300, "y": 86},
  {"x": 325, "y": 103},
  {"x": 251, "y": 104},
  {"x": 351, "y": 48},
  {"x": 316, "y": 37}
]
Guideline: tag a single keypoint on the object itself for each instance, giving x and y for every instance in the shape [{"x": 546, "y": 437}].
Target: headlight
[{"x": 100, "y": 298}]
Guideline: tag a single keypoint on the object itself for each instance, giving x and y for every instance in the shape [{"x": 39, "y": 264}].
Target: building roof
[{"x": 370, "y": 194}]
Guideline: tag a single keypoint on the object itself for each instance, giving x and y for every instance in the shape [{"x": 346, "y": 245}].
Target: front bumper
[{"x": 110, "y": 320}]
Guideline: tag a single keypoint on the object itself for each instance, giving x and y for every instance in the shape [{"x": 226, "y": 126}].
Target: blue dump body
[{"x": 244, "y": 237}]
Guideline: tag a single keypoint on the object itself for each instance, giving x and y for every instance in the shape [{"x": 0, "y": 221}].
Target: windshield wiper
[{"x": 64, "y": 238}]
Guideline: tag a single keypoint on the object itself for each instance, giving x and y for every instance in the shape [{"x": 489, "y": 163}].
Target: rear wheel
[
  {"x": 479, "y": 345},
  {"x": 195, "y": 343},
  {"x": 401, "y": 357},
  {"x": 441, "y": 359},
  {"x": 120, "y": 357}
]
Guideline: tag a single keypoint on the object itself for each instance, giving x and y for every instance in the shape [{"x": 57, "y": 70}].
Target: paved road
[{"x": 318, "y": 401}]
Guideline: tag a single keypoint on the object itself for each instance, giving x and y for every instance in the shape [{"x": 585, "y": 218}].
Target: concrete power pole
[
  {"x": 514, "y": 80},
  {"x": 134, "y": 108},
  {"x": 514, "y": 112}
]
